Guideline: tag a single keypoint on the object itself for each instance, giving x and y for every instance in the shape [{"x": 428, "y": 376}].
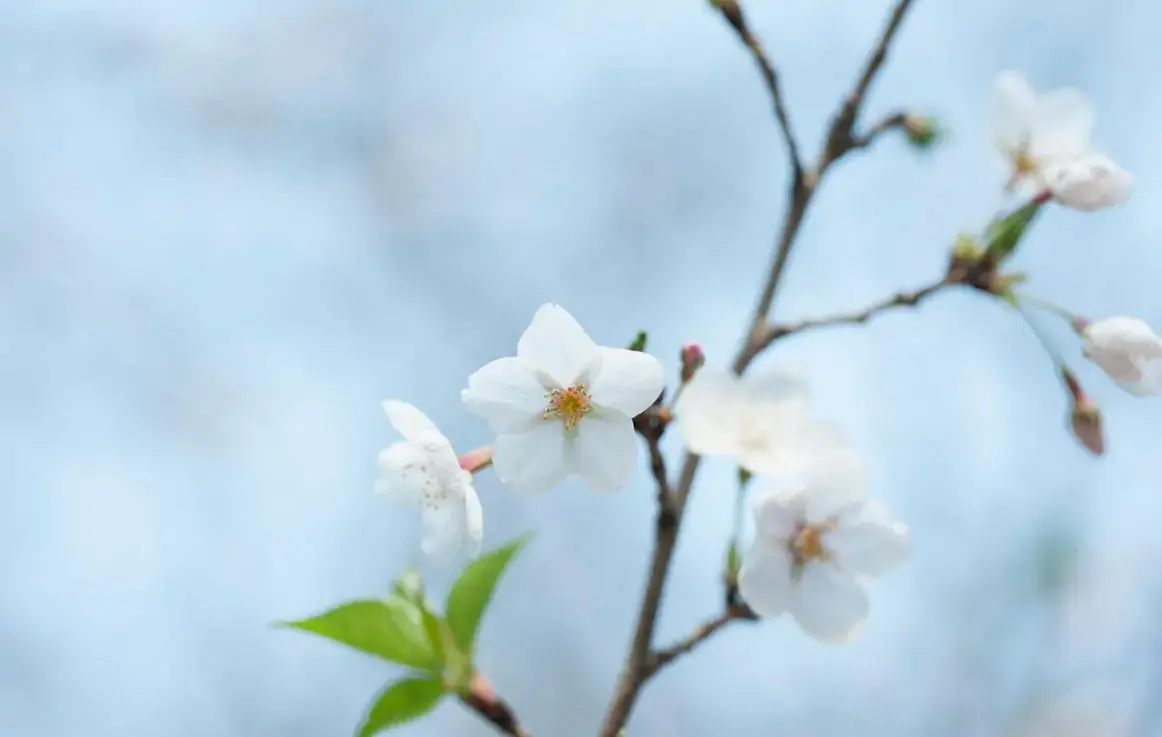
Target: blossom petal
[
  {"x": 507, "y": 394},
  {"x": 473, "y": 516},
  {"x": 407, "y": 420},
  {"x": 836, "y": 485},
  {"x": 784, "y": 442},
  {"x": 1063, "y": 124},
  {"x": 775, "y": 385},
  {"x": 533, "y": 460},
  {"x": 627, "y": 381},
  {"x": 557, "y": 345},
  {"x": 1014, "y": 106},
  {"x": 828, "y": 603},
  {"x": 778, "y": 512},
  {"x": 764, "y": 581},
  {"x": 1090, "y": 182},
  {"x": 444, "y": 530},
  {"x": 404, "y": 474},
  {"x": 871, "y": 545},
  {"x": 1148, "y": 381},
  {"x": 708, "y": 412},
  {"x": 604, "y": 450}
]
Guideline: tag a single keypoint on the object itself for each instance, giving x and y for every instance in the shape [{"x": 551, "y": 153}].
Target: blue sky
[{"x": 229, "y": 230}]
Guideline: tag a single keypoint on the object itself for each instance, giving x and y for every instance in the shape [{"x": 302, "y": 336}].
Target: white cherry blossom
[
  {"x": 760, "y": 421},
  {"x": 1037, "y": 131},
  {"x": 1128, "y": 351},
  {"x": 564, "y": 405},
  {"x": 422, "y": 472},
  {"x": 1089, "y": 182},
  {"x": 815, "y": 545}
]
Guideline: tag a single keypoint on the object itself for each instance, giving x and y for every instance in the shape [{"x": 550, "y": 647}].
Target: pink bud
[
  {"x": 692, "y": 360},
  {"x": 1085, "y": 421},
  {"x": 1079, "y": 325},
  {"x": 477, "y": 460}
]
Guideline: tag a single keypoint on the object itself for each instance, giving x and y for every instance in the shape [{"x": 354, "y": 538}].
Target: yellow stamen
[
  {"x": 570, "y": 405},
  {"x": 808, "y": 543}
]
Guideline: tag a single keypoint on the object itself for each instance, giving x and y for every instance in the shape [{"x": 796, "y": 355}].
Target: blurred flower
[
  {"x": 815, "y": 543},
  {"x": 422, "y": 472},
  {"x": 1035, "y": 131},
  {"x": 1128, "y": 351},
  {"x": 1089, "y": 182},
  {"x": 563, "y": 405},
  {"x": 760, "y": 421}
]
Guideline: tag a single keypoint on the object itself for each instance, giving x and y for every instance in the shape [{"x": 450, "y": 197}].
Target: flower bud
[
  {"x": 477, "y": 460},
  {"x": 692, "y": 359},
  {"x": 921, "y": 131},
  {"x": 1085, "y": 421}
]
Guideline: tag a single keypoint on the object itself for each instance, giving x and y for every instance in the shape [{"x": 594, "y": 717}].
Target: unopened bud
[
  {"x": 1079, "y": 325},
  {"x": 966, "y": 247},
  {"x": 692, "y": 359},
  {"x": 476, "y": 460},
  {"x": 921, "y": 130},
  {"x": 1085, "y": 420}
]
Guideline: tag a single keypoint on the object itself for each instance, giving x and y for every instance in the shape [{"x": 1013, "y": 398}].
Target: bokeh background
[{"x": 228, "y": 230}]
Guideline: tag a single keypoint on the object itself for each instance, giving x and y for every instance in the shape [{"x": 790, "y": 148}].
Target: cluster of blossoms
[
  {"x": 817, "y": 537},
  {"x": 565, "y": 406},
  {"x": 562, "y": 406},
  {"x": 1046, "y": 139}
]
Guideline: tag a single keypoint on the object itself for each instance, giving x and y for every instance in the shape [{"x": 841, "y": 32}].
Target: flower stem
[
  {"x": 1053, "y": 307},
  {"x": 1043, "y": 339}
]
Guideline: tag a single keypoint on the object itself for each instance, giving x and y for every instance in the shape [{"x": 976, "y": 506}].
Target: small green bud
[
  {"x": 744, "y": 477},
  {"x": 639, "y": 341},
  {"x": 922, "y": 131},
  {"x": 966, "y": 247}
]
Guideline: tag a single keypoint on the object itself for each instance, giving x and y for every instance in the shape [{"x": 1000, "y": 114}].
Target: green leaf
[
  {"x": 733, "y": 560},
  {"x": 639, "y": 341},
  {"x": 401, "y": 702},
  {"x": 1004, "y": 235},
  {"x": 434, "y": 629},
  {"x": 383, "y": 628},
  {"x": 472, "y": 591}
]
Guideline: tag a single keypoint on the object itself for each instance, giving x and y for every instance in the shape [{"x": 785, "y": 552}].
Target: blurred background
[{"x": 228, "y": 230}]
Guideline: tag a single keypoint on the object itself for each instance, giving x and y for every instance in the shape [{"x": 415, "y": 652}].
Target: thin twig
[
  {"x": 733, "y": 14},
  {"x": 636, "y": 670},
  {"x": 899, "y": 299},
  {"x": 885, "y": 124},
  {"x": 661, "y": 658}
]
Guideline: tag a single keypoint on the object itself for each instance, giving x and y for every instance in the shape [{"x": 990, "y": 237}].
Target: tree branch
[
  {"x": 885, "y": 124},
  {"x": 733, "y": 14},
  {"x": 899, "y": 299},
  {"x": 637, "y": 666},
  {"x": 661, "y": 658}
]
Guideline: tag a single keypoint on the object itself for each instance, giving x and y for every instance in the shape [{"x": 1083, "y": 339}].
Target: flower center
[
  {"x": 807, "y": 544},
  {"x": 570, "y": 405},
  {"x": 1023, "y": 163}
]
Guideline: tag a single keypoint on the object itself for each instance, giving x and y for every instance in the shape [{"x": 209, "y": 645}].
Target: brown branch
[
  {"x": 841, "y": 138},
  {"x": 481, "y": 699},
  {"x": 659, "y": 659},
  {"x": 651, "y": 424},
  {"x": 733, "y": 14},
  {"x": 894, "y": 121},
  {"x": 899, "y": 299},
  {"x": 637, "y": 666}
]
